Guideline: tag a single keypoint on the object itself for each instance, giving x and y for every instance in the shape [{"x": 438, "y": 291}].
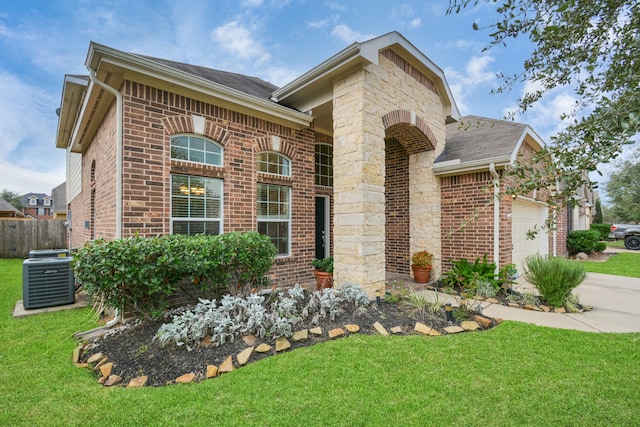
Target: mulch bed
[{"x": 134, "y": 353}]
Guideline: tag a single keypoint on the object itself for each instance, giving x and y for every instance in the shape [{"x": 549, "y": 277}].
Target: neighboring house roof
[
  {"x": 39, "y": 196},
  {"x": 247, "y": 84},
  {"x": 475, "y": 142},
  {"x": 7, "y": 209}
]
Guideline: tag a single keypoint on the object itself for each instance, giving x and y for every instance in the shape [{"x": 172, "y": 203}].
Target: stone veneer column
[
  {"x": 424, "y": 195},
  {"x": 359, "y": 199}
]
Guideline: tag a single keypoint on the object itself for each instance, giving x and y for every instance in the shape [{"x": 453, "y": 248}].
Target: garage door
[{"x": 526, "y": 215}]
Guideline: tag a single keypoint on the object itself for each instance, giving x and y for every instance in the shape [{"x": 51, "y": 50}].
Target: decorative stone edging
[{"x": 100, "y": 363}]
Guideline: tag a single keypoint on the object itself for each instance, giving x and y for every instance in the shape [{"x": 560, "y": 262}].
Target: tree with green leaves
[
  {"x": 591, "y": 47},
  {"x": 12, "y": 198},
  {"x": 623, "y": 190},
  {"x": 598, "y": 216}
]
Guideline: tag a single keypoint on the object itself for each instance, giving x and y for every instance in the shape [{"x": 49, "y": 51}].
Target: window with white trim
[
  {"x": 47, "y": 202},
  {"x": 196, "y": 149},
  {"x": 33, "y": 201},
  {"x": 274, "y": 215},
  {"x": 324, "y": 165},
  {"x": 274, "y": 163},
  {"x": 196, "y": 205}
]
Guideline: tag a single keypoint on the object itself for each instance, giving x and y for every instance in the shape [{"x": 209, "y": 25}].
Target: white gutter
[
  {"x": 455, "y": 166},
  {"x": 496, "y": 216},
  {"x": 119, "y": 150}
]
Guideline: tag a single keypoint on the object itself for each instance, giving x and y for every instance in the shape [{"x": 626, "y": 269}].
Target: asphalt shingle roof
[
  {"x": 476, "y": 138},
  {"x": 247, "y": 84}
]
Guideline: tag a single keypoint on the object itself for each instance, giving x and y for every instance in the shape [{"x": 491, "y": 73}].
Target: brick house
[
  {"x": 340, "y": 161},
  {"x": 37, "y": 205},
  {"x": 471, "y": 171}
]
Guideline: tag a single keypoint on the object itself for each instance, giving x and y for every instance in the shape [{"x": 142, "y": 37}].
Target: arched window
[
  {"x": 324, "y": 165},
  {"x": 196, "y": 149},
  {"x": 274, "y": 163}
]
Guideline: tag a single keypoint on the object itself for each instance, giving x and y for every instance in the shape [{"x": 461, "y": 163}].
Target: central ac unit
[
  {"x": 47, "y": 282},
  {"x": 48, "y": 253}
]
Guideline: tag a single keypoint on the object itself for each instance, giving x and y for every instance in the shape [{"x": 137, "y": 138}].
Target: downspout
[
  {"x": 119, "y": 149},
  {"x": 496, "y": 216}
]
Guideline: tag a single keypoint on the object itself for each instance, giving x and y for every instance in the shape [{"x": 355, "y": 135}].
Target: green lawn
[
  {"x": 620, "y": 264},
  {"x": 515, "y": 374}
]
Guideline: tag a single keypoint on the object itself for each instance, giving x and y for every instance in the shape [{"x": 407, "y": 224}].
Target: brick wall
[
  {"x": 467, "y": 217},
  {"x": 397, "y": 208},
  {"x": 151, "y": 117}
]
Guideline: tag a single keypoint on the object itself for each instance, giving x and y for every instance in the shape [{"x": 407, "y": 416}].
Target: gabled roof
[
  {"x": 8, "y": 208},
  {"x": 318, "y": 82},
  {"x": 247, "y": 84},
  {"x": 475, "y": 142},
  {"x": 79, "y": 121}
]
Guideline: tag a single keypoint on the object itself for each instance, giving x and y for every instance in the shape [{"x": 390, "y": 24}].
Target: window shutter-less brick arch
[
  {"x": 412, "y": 132},
  {"x": 275, "y": 143},
  {"x": 195, "y": 125}
]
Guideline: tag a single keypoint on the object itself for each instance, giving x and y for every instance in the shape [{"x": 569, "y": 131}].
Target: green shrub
[
  {"x": 600, "y": 247},
  {"x": 582, "y": 241},
  {"x": 140, "y": 273},
  {"x": 554, "y": 277},
  {"x": 602, "y": 229},
  {"x": 466, "y": 275}
]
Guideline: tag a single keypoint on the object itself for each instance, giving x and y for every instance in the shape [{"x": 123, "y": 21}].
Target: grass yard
[
  {"x": 515, "y": 374},
  {"x": 620, "y": 264}
]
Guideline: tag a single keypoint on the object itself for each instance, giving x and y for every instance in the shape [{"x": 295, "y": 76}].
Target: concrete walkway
[{"x": 615, "y": 301}]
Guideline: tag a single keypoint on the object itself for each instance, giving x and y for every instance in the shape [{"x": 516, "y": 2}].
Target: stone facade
[{"x": 390, "y": 101}]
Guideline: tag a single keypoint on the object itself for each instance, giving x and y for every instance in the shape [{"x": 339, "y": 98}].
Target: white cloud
[
  {"x": 344, "y": 33},
  {"x": 319, "y": 24},
  {"x": 336, "y": 6},
  {"x": 22, "y": 180},
  {"x": 238, "y": 40},
  {"x": 29, "y": 160},
  {"x": 465, "y": 85},
  {"x": 251, "y": 3},
  {"x": 280, "y": 76},
  {"x": 405, "y": 17}
]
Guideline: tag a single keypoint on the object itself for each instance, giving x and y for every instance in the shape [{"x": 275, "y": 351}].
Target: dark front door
[{"x": 321, "y": 227}]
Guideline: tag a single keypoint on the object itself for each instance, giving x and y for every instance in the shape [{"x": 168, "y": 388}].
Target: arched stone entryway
[{"x": 406, "y": 134}]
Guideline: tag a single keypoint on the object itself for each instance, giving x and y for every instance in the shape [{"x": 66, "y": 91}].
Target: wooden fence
[{"x": 18, "y": 237}]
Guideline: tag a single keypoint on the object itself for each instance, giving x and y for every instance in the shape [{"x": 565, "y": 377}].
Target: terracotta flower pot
[
  {"x": 421, "y": 274},
  {"x": 323, "y": 280}
]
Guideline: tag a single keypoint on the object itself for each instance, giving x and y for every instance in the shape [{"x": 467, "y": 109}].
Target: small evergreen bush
[
  {"x": 602, "y": 229},
  {"x": 554, "y": 277},
  {"x": 582, "y": 241},
  {"x": 600, "y": 247}
]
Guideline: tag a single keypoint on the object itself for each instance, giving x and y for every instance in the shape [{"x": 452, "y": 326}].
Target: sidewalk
[{"x": 615, "y": 301}]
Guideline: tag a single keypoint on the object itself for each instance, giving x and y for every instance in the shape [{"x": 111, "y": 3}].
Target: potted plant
[
  {"x": 421, "y": 263},
  {"x": 323, "y": 272}
]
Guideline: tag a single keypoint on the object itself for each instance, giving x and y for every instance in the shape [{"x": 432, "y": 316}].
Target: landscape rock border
[{"x": 103, "y": 368}]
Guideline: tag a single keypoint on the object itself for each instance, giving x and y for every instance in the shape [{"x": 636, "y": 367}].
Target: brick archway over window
[
  {"x": 267, "y": 144},
  {"x": 410, "y": 130},
  {"x": 184, "y": 124}
]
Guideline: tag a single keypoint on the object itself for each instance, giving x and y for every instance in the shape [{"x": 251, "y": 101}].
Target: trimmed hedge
[
  {"x": 141, "y": 273},
  {"x": 582, "y": 241},
  {"x": 603, "y": 229}
]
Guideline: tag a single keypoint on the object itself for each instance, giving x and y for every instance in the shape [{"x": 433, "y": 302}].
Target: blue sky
[{"x": 276, "y": 40}]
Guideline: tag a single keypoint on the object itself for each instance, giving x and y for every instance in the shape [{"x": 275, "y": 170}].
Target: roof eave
[
  {"x": 455, "y": 167},
  {"x": 99, "y": 55}
]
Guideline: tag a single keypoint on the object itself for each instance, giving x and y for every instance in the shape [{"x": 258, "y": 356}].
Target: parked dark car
[{"x": 630, "y": 233}]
